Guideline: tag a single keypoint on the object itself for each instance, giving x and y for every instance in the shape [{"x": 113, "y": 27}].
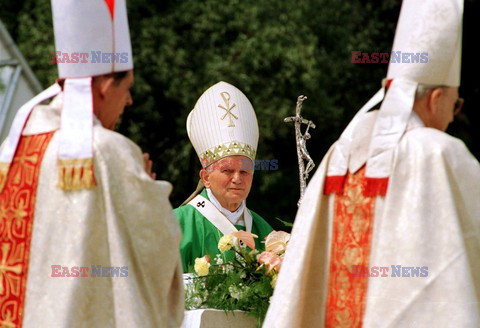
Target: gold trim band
[
  {"x": 76, "y": 174},
  {"x": 227, "y": 149}
]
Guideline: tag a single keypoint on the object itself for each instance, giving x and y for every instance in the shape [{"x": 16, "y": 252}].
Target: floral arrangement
[{"x": 244, "y": 281}]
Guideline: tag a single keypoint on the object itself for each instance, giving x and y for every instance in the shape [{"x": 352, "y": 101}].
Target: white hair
[{"x": 424, "y": 89}]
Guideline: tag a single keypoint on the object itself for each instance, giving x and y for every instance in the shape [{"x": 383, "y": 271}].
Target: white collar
[{"x": 231, "y": 216}]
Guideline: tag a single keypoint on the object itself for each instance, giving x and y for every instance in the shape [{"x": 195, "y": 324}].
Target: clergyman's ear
[
  {"x": 103, "y": 84},
  {"x": 204, "y": 176},
  {"x": 434, "y": 100}
]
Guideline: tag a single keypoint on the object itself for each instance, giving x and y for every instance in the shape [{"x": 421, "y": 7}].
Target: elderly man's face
[{"x": 229, "y": 179}]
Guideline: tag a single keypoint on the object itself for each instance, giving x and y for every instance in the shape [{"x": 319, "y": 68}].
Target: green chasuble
[{"x": 200, "y": 237}]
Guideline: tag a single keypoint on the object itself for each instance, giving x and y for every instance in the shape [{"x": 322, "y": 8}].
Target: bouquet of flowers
[{"x": 244, "y": 281}]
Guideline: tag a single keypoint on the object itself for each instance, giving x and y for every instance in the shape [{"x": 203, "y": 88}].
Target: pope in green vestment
[
  {"x": 200, "y": 237},
  {"x": 223, "y": 129}
]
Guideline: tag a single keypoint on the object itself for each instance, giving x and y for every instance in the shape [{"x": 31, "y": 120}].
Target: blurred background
[{"x": 273, "y": 51}]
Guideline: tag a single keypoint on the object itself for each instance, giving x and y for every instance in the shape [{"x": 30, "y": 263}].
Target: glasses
[{"x": 458, "y": 106}]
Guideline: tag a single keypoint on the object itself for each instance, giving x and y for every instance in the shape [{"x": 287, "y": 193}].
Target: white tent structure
[{"x": 18, "y": 84}]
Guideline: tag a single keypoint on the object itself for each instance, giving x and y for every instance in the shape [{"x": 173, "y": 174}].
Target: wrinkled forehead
[{"x": 235, "y": 163}]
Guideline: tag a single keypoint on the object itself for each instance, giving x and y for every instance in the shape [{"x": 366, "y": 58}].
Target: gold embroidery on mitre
[
  {"x": 76, "y": 174},
  {"x": 227, "y": 149},
  {"x": 3, "y": 174},
  {"x": 228, "y": 109}
]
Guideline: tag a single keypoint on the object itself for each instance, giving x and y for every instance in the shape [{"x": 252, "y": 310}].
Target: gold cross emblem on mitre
[{"x": 228, "y": 109}]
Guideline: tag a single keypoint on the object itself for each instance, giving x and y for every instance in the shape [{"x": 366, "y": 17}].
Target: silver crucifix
[{"x": 301, "y": 139}]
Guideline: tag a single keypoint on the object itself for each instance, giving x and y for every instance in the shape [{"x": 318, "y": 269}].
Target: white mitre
[
  {"x": 96, "y": 29},
  {"x": 223, "y": 123},
  {"x": 92, "y": 26},
  {"x": 432, "y": 27}
]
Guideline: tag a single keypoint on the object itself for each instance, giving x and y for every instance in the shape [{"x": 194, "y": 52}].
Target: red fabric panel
[{"x": 17, "y": 205}]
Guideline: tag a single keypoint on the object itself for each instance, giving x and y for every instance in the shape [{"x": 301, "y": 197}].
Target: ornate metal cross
[{"x": 301, "y": 139}]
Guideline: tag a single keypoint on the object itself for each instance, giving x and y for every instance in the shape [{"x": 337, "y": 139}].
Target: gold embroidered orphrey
[
  {"x": 228, "y": 110},
  {"x": 17, "y": 206}
]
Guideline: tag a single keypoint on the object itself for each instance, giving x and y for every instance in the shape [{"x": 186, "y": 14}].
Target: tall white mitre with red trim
[
  {"x": 431, "y": 27},
  {"x": 92, "y": 38}
]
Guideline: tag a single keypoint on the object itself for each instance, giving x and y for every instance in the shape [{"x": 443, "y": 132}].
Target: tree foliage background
[{"x": 273, "y": 51}]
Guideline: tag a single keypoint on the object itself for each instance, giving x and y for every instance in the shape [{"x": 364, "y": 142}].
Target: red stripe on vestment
[{"x": 17, "y": 205}]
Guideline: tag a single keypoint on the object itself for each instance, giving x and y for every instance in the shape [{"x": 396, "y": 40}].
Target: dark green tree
[{"x": 272, "y": 50}]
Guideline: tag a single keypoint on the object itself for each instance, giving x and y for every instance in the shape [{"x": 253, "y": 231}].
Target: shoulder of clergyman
[
  {"x": 116, "y": 149},
  {"x": 105, "y": 139},
  {"x": 188, "y": 214},
  {"x": 433, "y": 142}
]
